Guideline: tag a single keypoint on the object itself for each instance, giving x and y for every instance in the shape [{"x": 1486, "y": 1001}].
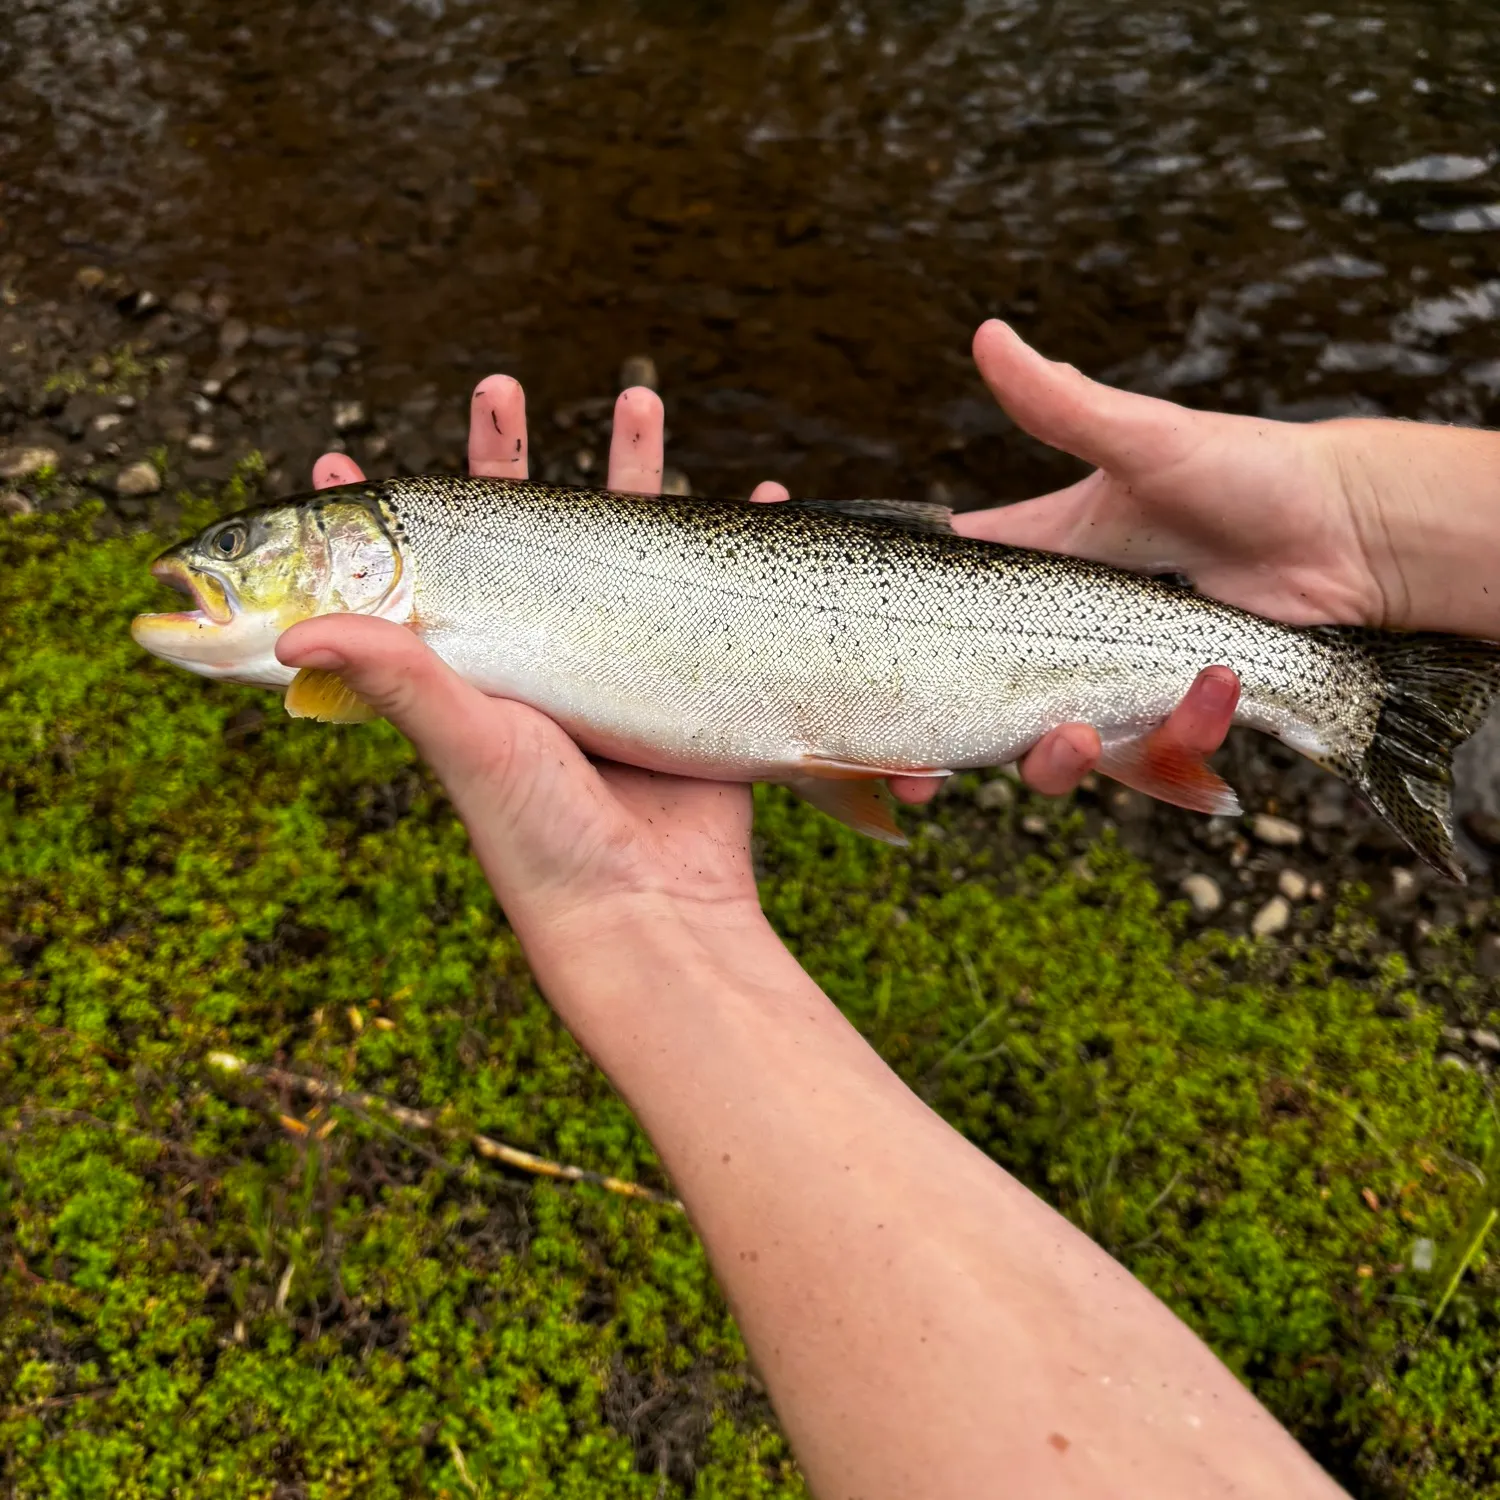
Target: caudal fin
[{"x": 1438, "y": 689}]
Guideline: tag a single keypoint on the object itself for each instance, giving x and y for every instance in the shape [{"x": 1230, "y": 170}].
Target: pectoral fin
[
  {"x": 865, "y": 805},
  {"x": 327, "y": 697},
  {"x": 1154, "y": 764}
]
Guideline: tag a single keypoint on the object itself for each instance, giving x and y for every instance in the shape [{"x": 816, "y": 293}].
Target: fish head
[{"x": 255, "y": 574}]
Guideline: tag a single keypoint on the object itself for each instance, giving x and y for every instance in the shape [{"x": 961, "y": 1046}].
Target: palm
[{"x": 1250, "y": 510}]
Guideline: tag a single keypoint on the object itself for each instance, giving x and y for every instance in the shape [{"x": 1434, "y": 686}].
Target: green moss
[{"x": 197, "y": 1300}]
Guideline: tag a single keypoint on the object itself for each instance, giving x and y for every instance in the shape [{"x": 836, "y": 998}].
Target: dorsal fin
[{"x": 910, "y": 515}]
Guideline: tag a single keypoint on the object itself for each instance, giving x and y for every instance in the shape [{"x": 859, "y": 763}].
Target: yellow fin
[
  {"x": 327, "y": 697},
  {"x": 865, "y": 805}
]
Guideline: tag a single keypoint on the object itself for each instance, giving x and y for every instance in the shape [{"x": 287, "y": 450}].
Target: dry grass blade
[{"x": 417, "y": 1119}]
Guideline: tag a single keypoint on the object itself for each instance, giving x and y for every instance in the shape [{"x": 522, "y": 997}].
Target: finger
[
  {"x": 497, "y": 429},
  {"x": 636, "y": 443},
  {"x": 334, "y": 469},
  {"x": 1049, "y": 521},
  {"x": 472, "y": 742},
  {"x": 1114, "y": 429},
  {"x": 768, "y": 492},
  {"x": 915, "y": 791},
  {"x": 1060, "y": 760},
  {"x": 1201, "y": 722}
]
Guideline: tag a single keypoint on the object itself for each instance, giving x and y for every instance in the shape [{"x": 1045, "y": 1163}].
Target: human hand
[{"x": 559, "y": 838}]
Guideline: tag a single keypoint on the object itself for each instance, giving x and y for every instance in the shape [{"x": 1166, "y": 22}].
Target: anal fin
[
  {"x": 1154, "y": 763},
  {"x": 865, "y": 805},
  {"x": 325, "y": 696}
]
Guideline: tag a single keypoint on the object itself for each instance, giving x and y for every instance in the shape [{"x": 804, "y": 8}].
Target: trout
[{"x": 825, "y": 645}]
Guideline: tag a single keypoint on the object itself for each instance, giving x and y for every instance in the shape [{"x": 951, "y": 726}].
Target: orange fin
[
  {"x": 327, "y": 697},
  {"x": 826, "y": 766},
  {"x": 1168, "y": 772},
  {"x": 866, "y": 805}
]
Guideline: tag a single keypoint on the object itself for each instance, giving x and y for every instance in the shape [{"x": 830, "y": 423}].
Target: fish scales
[{"x": 720, "y": 635}]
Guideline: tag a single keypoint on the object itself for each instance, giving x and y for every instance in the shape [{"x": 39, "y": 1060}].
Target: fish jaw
[{"x": 214, "y": 640}]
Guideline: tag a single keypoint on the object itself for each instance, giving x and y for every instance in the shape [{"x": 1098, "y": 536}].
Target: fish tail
[{"x": 1438, "y": 689}]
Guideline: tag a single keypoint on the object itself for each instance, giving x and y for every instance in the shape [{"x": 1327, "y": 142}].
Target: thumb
[
  {"x": 467, "y": 738},
  {"x": 1113, "y": 429}
]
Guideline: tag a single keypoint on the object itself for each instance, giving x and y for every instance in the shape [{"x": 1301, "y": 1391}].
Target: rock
[
  {"x": 90, "y": 278},
  {"x": 1292, "y": 884},
  {"x": 1203, "y": 891},
  {"x": 201, "y": 442},
  {"x": 107, "y": 421},
  {"x": 1483, "y": 828},
  {"x": 1272, "y": 918},
  {"x": 1453, "y": 1034},
  {"x": 1487, "y": 1040},
  {"x": 1423, "y": 1254},
  {"x": 234, "y": 335},
  {"x": 1329, "y": 804},
  {"x": 25, "y": 463},
  {"x": 348, "y": 415},
  {"x": 1280, "y": 833},
  {"x": 186, "y": 303},
  {"x": 138, "y": 479},
  {"x": 639, "y": 369},
  {"x": 14, "y": 503},
  {"x": 1487, "y": 957},
  {"x": 1403, "y": 882},
  {"x": 1034, "y": 824},
  {"x": 675, "y": 482},
  {"x": 1453, "y": 1060},
  {"x": 994, "y": 795}
]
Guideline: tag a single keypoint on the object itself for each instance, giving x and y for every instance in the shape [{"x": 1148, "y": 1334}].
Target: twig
[{"x": 418, "y": 1119}]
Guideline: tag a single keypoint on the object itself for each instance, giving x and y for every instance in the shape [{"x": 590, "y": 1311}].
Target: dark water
[{"x": 801, "y": 209}]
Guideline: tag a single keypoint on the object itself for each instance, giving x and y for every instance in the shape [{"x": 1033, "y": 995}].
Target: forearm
[
  {"x": 926, "y": 1326},
  {"x": 1426, "y": 503}
]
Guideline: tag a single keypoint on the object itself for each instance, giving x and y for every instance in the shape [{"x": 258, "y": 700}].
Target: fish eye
[{"x": 229, "y": 541}]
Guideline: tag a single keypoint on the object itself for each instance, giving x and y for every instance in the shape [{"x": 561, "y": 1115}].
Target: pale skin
[{"x": 927, "y": 1327}]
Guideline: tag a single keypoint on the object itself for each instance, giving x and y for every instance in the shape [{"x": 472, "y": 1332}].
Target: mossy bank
[{"x": 214, "y": 1286}]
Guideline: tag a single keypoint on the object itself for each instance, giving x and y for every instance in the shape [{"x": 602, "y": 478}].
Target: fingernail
[
  {"x": 320, "y": 659},
  {"x": 1218, "y": 689}
]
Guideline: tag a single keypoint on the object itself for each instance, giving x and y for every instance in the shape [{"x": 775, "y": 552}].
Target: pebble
[
  {"x": 14, "y": 503},
  {"x": 639, "y": 369},
  {"x": 1280, "y": 833},
  {"x": 107, "y": 421},
  {"x": 994, "y": 795},
  {"x": 347, "y": 415},
  {"x": 1485, "y": 1039},
  {"x": 201, "y": 442},
  {"x": 23, "y": 463},
  {"x": 1453, "y": 1034},
  {"x": 1484, "y": 828},
  {"x": 675, "y": 482},
  {"x": 90, "y": 278},
  {"x": 1203, "y": 891},
  {"x": 1487, "y": 958},
  {"x": 1272, "y": 918},
  {"x": 1034, "y": 824},
  {"x": 1453, "y": 1060},
  {"x": 186, "y": 303},
  {"x": 234, "y": 335},
  {"x": 1403, "y": 882},
  {"x": 1292, "y": 884},
  {"x": 138, "y": 479}
]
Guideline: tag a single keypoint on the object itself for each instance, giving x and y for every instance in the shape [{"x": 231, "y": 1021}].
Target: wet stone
[
  {"x": 1292, "y": 884},
  {"x": 25, "y": 463},
  {"x": 1203, "y": 891},
  {"x": 1272, "y": 918},
  {"x": 675, "y": 482},
  {"x": 349, "y": 416},
  {"x": 138, "y": 479},
  {"x": 1279, "y": 833},
  {"x": 1403, "y": 883},
  {"x": 1484, "y": 1039},
  {"x": 14, "y": 503}
]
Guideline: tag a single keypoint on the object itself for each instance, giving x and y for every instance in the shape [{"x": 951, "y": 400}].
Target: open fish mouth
[{"x": 210, "y": 596}]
